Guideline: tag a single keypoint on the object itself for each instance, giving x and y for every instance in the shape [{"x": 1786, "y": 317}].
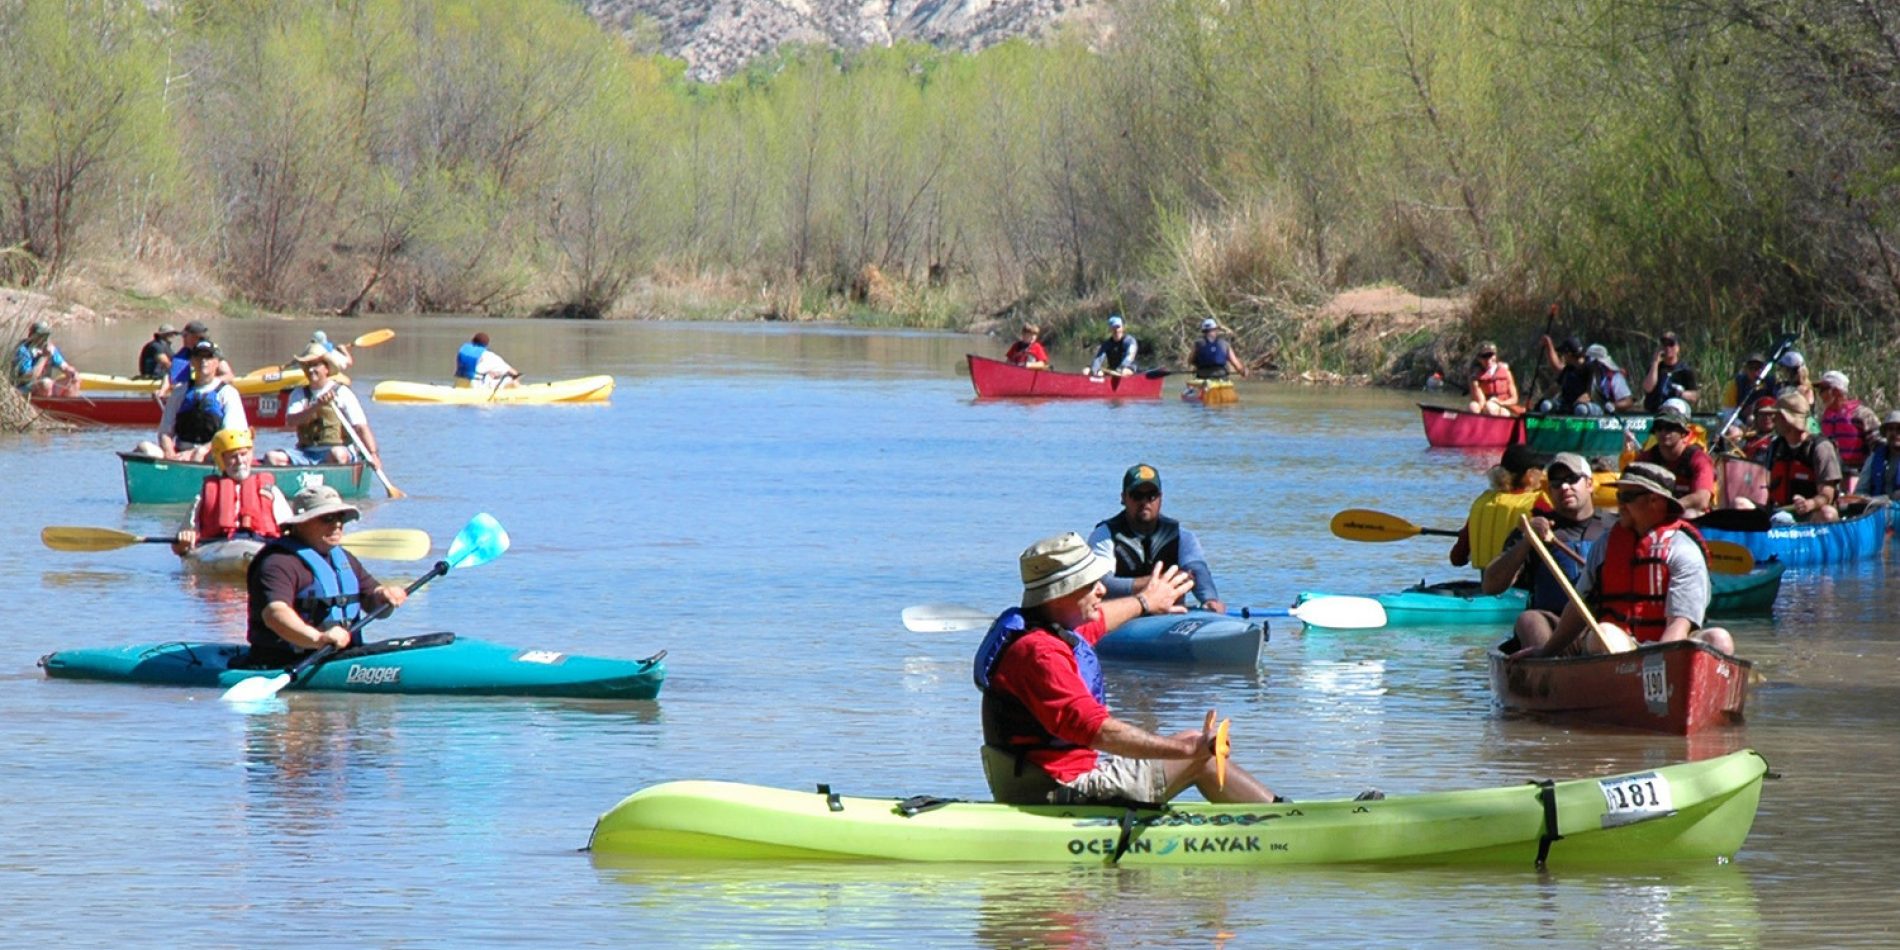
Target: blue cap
[{"x": 1114, "y": 322}]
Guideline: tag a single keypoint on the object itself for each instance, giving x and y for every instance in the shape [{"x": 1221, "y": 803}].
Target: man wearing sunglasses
[
  {"x": 1668, "y": 378},
  {"x": 1570, "y": 528},
  {"x": 1138, "y": 540},
  {"x": 1693, "y": 468},
  {"x": 1649, "y": 575},
  {"x": 304, "y": 588}
]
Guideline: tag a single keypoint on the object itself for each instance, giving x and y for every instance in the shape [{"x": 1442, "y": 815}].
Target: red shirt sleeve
[{"x": 1039, "y": 670}]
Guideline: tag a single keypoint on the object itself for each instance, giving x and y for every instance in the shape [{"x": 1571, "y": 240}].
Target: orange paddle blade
[{"x": 1222, "y": 746}]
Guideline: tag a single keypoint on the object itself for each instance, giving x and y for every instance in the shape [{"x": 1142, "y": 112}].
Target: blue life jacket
[
  {"x": 466, "y": 358},
  {"x": 333, "y": 598},
  {"x": 1211, "y": 357},
  {"x": 1878, "y": 476},
  {"x": 1007, "y": 723},
  {"x": 200, "y": 415},
  {"x": 181, "y": 369}
]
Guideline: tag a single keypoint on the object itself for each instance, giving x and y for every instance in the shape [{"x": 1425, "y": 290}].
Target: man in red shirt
[
  {"x": 1693, "y": 468},
  {"x": 1048, "y": 737}
]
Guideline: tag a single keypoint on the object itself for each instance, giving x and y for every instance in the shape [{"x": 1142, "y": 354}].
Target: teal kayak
[
  {"x": 1462, "y": 602},
  {"x": 432, "y": 663},
  {"x": 1695, "y": 811}
]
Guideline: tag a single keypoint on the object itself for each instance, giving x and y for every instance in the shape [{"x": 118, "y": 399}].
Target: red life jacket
[
  {"x": 228, "y": 507},
  {"x": 1496, "y": 381},
  {"x": 1838, "y": 426},
  {"x": 1788, "y": 476},
  {"x": 1633, "y": 588}
]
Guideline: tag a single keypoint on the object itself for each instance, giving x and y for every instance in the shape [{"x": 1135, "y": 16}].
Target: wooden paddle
[
  {"x": 372, "y": 338},
  {"x": 385, "y": 544},
  {"x": 1337, "y": 613},
  {"x": 375, "y": 462},
  {"x": 1360, "y": 524},
  {"x": 1612, "y": 640},
  {"x": 481, "y": 540}
]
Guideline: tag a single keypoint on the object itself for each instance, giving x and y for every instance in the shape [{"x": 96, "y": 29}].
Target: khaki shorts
[{"x": 1114, "y": 779}]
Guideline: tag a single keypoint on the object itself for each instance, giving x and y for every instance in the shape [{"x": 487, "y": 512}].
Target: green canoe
[
  {"x": 1699, "y": 811},
  {"x": 1588, "y": 436},
  {"x": 1463, "y": 603},
  {"x": 433, "y": 663},
  {"x": 150, "y": 481}
]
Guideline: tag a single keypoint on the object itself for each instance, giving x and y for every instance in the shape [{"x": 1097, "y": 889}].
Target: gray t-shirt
[{"x": 1689, "y": 588}]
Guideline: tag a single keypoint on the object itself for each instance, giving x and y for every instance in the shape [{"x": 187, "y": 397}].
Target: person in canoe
[
  {"x": 238, "y": 501},
  {"x": 1117, "y": 353},
  {"x": 1749, "y": 384},
  {"x": 304, "y": 589},
  {"x": 1138, "y": 539},
  {"x": 1570, "y": 529},
  {"x": 1027, "y": 351},
  {"x": 1847, "y": 423},
  {"x": 482, "y": 368},
  {"x": 1675, "y": 450},
  {"x": 155, "y": 358},
  {"x": 1668, "y": 376},
  {"x": 1517, "y": 484},
  {"x": 1048, "y": 736},
  {"x": 1804, "y": 469},
  {"x": 1573, "y": 375},
  {"x": 1881, "y": 473},
  {"x": 1493, "y": 388},
  {"x": 195, "y": 413},
  {"x": 318, "y": 410},
  {"x": 181, "y": 372},
  {"x": 1791, "y": 375},
  {"x": 1214, "y": 357},
  {"x": 1647, "y": 579},
  {"x": 39, "y": 369},
  {"x": 1609, "y": 390}
]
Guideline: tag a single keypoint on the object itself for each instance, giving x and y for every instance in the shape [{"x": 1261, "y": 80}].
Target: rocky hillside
[{"x": 718, "y": 37}]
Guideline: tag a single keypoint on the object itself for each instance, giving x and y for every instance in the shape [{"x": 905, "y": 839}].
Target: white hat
[
  {"x": 1835, "y": 378},
  {"x": 1210, "y": 324},
  {"x": 1596, "y": 353},
  {"x": 1675, "y": 404},
  {"x": 317, "y": 501},
  {"x": 1114, "y": 321},
  {"x": 1792, "y": 360},
  {"x": 1057, "y": 567}
]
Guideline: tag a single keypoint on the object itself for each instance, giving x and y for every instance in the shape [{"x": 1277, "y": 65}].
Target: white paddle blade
[
  {"x": 256, "y": 688},
  {"x": 1341, "y": 613},
  {"x": 945, "y": 618}
]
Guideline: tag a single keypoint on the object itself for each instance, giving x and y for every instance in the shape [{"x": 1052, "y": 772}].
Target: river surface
[{"x": 762, "y": 501}]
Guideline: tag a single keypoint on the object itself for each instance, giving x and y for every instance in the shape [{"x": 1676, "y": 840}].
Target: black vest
[{"x": 1137, "y": 554}]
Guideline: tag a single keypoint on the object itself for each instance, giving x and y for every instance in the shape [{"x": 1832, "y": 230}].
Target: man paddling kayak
[
  {"x": 482, "y": 368},
  {"x": 239, "y": 501},
  {"x": 304, "y": 589},
  {"x": 1048, "y": 737},
  {"x": 1570, "y": 529},
  {"x": 319, "y": 410},
  {"x": 1138, "y": 540}
]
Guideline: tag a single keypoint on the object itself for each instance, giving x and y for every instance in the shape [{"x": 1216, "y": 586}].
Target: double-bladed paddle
[
  {"x": 481, "y": 540},
  {"x": 385, "y": 544},
  {"x": 1338, "y": 613},
  {"x": 1360, "y": 524}
]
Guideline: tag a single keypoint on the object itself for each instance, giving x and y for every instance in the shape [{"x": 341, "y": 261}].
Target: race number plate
[{"x": 1633, "y": 798}]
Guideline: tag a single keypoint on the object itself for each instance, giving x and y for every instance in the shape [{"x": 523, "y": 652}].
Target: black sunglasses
[{"x": 1144, "y": 495}]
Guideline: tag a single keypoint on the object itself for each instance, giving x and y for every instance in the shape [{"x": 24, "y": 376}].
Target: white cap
[
  {"x": 1114, "y": 321},
  {"x": 1674, "y": 404},
  {"x": 1210, "y": 324},
  {"x": 1792, "y": 360},
  {"x": 1835, "y": 378}
]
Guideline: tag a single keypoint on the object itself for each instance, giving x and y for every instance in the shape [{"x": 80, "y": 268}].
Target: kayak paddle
[
  {"x": 375, "y": 461},
  {"x": 1615, "y": 640},
  {"x": 1339, "y": 613},
  {"x": 1360, "y": 524},
  {"x": 1222, "y": 748},
  {"x": 481, "y": 540},
  {"x": 372, "y": 338},
  {"x": 384, "y": 544}
]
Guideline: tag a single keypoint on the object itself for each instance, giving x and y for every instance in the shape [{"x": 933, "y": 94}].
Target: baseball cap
[
  {"x": 1669, "y": 336},
  {"x": 1210, "y": 324},
  {"x": 1570, "y": 462},
  {"x": 197, "y": 328},
  {"x": 1487, "y": 347},
  {"x": 204, "y": 348},
  {"x": 1139, "y": 475},
  {"x": 1570, "y": 344},
  {"x": 1114, "y": 322}
]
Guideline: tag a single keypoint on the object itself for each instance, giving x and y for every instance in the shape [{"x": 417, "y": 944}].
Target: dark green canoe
[
  {"x": 1587, "y": 436},
  {"x": 150, "y": 481}
]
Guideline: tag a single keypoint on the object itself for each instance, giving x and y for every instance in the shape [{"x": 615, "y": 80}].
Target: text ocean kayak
[
  {"x": 1697, "y": 811},
  {"x": 433, "y": 663},
  {"x": 584, "y": 389},
  {"x": 1855, "y": 537},
  {"x": 995, "y": 379}
]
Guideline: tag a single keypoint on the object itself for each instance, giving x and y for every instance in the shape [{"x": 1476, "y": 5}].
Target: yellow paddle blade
[
  {"x": 389, "y": 544},
  {"x": 263, "y": 371},
  {"x": 1222, "y": 746},
  {"x": 1360, "y": 524},
  {"x": 73, "y": 538},
  {"x": 374, "y": 337},
  {"x": 1727, "y": 557}
]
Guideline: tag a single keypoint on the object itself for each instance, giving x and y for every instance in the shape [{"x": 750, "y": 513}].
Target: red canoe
[
  {"x": 264, "y": 411},
  {"x": 1680, "y": 687},
  {"x": 995, "y": 379},
  {"x": 1458, "y": 429}
]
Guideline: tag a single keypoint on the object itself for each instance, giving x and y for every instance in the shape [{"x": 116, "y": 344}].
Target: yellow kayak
[
  {"x": 584, "y": 389},
  {"x": 247, "y": 385}
]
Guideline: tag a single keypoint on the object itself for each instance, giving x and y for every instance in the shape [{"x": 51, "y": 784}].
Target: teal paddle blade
[{"x": 481, "y": 540}]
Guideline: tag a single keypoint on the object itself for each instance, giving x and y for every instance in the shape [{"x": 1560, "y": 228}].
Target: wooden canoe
[
  {"x": 263, "y": 411},
  {"x": 995, "y": 379},
  {"x": 1447, "y": 428},
  {"x": 1680, "y": 687}
]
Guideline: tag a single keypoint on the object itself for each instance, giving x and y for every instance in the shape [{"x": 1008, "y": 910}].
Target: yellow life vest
[{"x": 1493, "y": 517}]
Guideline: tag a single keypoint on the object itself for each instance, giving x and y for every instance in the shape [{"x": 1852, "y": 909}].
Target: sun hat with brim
[
  {"x": 1674, "y": 420},
  {"x": 316, "y": 352},
  {"x": 1518, "y": 459},
  {"x": 1598, "y": 353},
  {"x": 1834, "y": 378},
  {"x": 1650, "y": 478},
  {"x": 1793, "y": 407},
  {"x": 1487, "y": 348},
  {"x": 317, "y": 501},
  {"x": 1056, "y": 567},
  {"x": 166, "y": 329}
]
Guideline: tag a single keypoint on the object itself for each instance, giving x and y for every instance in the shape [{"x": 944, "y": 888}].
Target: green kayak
[
  {"x": 1462, "y": 602},
  {"x": 432, "y": 663},
  {"x": 1585, "y": 435},
  {"x": 150, "y": 481},
  {"x": 1698, "y": 811}
]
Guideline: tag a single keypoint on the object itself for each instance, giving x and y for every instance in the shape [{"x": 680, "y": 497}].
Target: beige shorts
[{"x": 1113, "y": 779}]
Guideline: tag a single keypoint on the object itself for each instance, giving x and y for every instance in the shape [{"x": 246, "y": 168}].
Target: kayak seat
[
  {"x": 1465, "y": 589},
  {"x": 918, "y": 804}
]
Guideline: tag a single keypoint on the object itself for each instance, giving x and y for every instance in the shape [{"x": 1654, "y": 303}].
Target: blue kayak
[
  {"x": 1199, "y": 637},
  {"x": 439, "y": 663}
]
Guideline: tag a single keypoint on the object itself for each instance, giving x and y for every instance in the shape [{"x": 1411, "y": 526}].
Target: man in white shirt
[
  {"x": 195, "y": 414},
  {"x": 325, "y": 414}
]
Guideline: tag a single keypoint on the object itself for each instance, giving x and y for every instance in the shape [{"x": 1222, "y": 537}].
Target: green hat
[{"x": 1139, "y": 475}]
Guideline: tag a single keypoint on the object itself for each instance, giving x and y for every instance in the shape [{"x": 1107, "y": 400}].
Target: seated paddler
[
  {"x": 237, "y": 501},
  {"x": 1048, "y": 737},
  {"x": 304, "y": 589},
  {"x": 1138, "y": 539}
]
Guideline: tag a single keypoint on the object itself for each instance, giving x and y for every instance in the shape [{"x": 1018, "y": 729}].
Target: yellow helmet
[{"x": 230, "y": 440}]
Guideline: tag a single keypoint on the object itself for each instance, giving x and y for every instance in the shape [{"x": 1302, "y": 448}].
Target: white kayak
[{"x": 228, "y": 558}]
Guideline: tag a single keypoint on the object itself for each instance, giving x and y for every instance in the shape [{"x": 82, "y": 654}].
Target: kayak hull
[
  {"x": 1588, "y": 436},
  {"x": 996, "y": 379},
  {"x": 1462, "y": 603},
  {"x": 1697, "y": 811},
  {"x": 1457, "y": 429},
  {"x": 225, "y": 559},
  {"x": 583, "y": 389},
  {"x": 434, "y": 664},
  {"x": 262, "y": 410},
  {"x": 1804, "y": 545},
  {"x": 1680, "y": 687},
  {"x": 271, "y": 382},
  {"x": 1198, "y": 637},
  {"x": 150, "y": 481},
  {"x": 1210, "y": 392}
]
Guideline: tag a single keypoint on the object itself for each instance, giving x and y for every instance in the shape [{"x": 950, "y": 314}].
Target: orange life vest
[
  {"x": 227, "y": 507},
  {"x": 1633, "y": 586},
  {"x": 1788, "y": 476},
  {"x": 1495, "y": 382}
]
